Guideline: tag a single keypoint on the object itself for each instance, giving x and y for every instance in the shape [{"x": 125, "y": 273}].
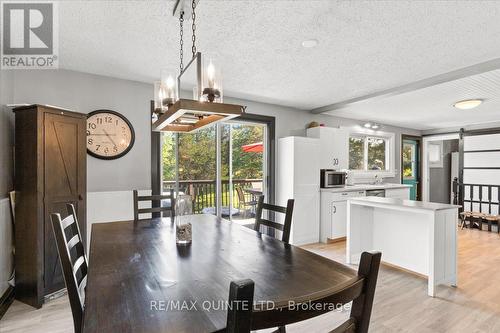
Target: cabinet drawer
[{"x": 341, "y": 196}]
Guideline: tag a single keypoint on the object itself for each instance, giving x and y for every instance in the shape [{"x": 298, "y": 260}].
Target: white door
[{"x": 339, "y": 219}]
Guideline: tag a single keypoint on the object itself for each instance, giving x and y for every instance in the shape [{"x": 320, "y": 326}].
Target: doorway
[
  {"x": 442, "y": 170},
  {"x": 436, "y": 164},
  {"x": 411, "y": 170}
]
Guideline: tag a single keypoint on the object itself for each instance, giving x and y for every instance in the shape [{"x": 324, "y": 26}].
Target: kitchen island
[
  {"x": 333, "y": 216},
  {"x": 417, "y": 236}
]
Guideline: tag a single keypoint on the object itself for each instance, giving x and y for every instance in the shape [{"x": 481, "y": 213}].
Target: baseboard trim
[
  {"x": 6, "y": 300},
  {"x": 399, "y": 268},
  {"x": 335, "y": 240},
  {"x": 54, "y": 295}
]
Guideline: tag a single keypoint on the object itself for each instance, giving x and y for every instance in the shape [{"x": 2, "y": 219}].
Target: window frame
[{"x": 390, "y": 153}]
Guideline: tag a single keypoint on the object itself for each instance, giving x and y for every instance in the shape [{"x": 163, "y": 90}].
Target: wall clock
[{"x": 109, "y": 134}]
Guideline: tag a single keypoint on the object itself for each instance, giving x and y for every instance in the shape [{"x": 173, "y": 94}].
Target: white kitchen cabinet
[
  {"x": 334, "y": 146},
  {"x": 298, "y": 179},
  {"x": 398, "y": 193},
  {"x": 333, "y": 214}
]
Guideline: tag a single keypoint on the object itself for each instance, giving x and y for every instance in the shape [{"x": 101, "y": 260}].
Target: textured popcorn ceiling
[{"x": 364, "y": 46}]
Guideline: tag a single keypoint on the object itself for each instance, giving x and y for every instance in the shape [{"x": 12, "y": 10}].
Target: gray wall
[
  {"x": 293, "y": 122},
  {"x": 86, "y": 92},
  {"x": 6, "y": 179},
  {"x": 440, "y": 178},
  {"x": 6, "y": 134}
]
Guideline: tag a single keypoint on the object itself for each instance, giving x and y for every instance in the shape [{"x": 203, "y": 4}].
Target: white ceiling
[
  {"x": 432, "y": 107},
  {"x": 364, "y": 47}
]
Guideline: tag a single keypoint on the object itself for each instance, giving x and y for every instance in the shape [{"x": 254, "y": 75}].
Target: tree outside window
[
  {"x": 376, "y": 154},
  {"x": 409, "y": 161},
  {"x": 367, "y": 153},
  {"x": 356, "y": 153}
]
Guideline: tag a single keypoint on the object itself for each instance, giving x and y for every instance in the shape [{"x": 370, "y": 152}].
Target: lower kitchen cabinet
[
  {"x": 334, "y": 214},
  {"x": 333, "y": 217}
]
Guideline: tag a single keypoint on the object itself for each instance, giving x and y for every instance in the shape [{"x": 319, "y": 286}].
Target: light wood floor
[{"x": 401, "y": 301}]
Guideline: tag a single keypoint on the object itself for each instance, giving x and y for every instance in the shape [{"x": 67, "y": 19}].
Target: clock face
[{"x": 109, "y": 134}]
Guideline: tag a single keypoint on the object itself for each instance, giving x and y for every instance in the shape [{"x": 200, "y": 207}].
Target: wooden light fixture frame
[{"x": 207, "y": 113}]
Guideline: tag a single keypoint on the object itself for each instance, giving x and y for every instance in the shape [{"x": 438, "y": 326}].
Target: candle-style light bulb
[
  {"x": 170, "y": 86},
  {"x": 160, "y": 94},
  {"x": 211, "y": 75}
]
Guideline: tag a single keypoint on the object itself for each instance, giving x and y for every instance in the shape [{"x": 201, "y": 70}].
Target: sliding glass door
[
  {"x": 223, "y": 167},
  {"x": 244, "y": 165}
]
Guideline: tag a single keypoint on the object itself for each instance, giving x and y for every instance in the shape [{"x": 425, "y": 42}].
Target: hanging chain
[
  {"x": 181, "y": 52},
  {"x": 193, "y": 26}
]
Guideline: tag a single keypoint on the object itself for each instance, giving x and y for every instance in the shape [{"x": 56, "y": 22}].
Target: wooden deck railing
[{"x": 203, "y": 191}]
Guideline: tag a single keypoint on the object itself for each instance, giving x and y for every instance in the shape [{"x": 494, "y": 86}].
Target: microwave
[{"x": 332, "y": 178}]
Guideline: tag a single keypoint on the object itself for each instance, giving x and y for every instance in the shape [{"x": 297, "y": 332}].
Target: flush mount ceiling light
[
  {"x": 468, "y": 104},
  {"x": 197, "y": 101},
  {"x": 371, "y": 125},
  {"x": 310, "y": 43}
]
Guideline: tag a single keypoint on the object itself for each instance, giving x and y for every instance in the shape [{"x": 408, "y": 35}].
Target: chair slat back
[
  {"x": 285, "y": 227},
  {"x": 153, "y": 199},
  {"x": 73, "y": 261},
  {"x": 360, "y": 291}
]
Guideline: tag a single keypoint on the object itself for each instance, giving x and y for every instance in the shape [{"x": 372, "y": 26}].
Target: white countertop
[
  {"x": 378, "y": 201},
  {"x": 364, "y": 187}
]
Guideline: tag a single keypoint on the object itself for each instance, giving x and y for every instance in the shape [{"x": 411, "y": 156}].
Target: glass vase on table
[{"x": 183, "y": 215}]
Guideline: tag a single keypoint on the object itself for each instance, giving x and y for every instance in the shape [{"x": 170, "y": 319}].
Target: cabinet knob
[{"x": 80, "y": 197}]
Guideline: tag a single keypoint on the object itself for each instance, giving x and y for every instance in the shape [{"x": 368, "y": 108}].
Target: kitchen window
[{"x": 371, "y": 153}]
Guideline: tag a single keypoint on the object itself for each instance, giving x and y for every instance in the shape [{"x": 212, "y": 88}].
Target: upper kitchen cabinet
[{"x": 334, "y": 146}]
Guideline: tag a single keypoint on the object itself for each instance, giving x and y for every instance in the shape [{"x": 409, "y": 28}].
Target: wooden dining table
[{"x": 140, "y": 281}]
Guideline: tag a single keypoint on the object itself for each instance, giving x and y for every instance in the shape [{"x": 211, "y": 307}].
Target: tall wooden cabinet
[{"x": 51, "y": 168}]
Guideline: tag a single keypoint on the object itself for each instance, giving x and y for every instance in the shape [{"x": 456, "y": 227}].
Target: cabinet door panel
[
  {"x": 334, "y": 146},
  {"x": 64, "y": 182},
  {"x": 339, "y": 219}
]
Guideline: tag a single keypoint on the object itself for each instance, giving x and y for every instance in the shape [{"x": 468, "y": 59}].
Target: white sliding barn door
[{"x": 481, "y": 166}]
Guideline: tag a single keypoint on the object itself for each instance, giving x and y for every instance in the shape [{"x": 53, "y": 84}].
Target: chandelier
[{"x": 196, "y": 99}]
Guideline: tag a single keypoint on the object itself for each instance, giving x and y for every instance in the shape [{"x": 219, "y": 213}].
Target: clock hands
[
  {"x": 113, "y": 141},
  {"x": 97, "y": 134}
]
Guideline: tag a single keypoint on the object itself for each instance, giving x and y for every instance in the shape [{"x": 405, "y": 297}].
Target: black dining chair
[
  {"x": 73, "y": 261},
  {"x": 154, "y": 198},
  {"x": 360, "y": 291},
  {"x": 285, "y": 227},
  {"x": 240, "y": 305}
]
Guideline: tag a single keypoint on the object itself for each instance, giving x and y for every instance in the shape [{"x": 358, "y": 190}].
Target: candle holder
[
  {"x": 211, "y": 94},
  {"x": 165, "y": 93},
  {"x": 211, "y": 83}
]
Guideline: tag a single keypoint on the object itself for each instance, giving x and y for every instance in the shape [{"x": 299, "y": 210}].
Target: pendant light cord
[
  {"x": 193, "y": 26},
  {"x": 181, "y": 33}
]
